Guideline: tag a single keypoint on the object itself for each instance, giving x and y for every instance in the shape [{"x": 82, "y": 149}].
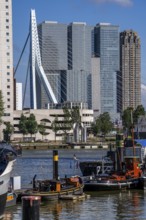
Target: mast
[{"x": 132, "y": 131}]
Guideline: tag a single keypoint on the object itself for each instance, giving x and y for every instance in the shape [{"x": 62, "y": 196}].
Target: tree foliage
[
  {"x": 28, "y": 125},
  {"x": 55, "y": 126},
  {"x": 102, "y": 124},
  {"x": 70, "y": 116},
  {"x": 8, "y": 131},
  {"x": 23, "y": 124},
  {"x": 139, "y": 111},
  {"x": 130, "y": 116},
  {"x": 42, "y": 128},
  {"x": 127, "y": 118},
  {"x": 75, "y": 115},
  {"x": 32, "y": 125}
]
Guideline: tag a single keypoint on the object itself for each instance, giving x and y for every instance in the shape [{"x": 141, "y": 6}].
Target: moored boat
[
  {"x": 54, "y": 189},
  {"x": 127, "y": 178},
  {"x": 49, "y": 189},
  {"x": 11, "y": 199},
  {"x": 7, "y": 158}
]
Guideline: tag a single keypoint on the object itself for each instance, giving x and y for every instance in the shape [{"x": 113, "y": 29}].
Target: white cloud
[
  {"x": 143, "y": 95},
  {"x": 143, "y": 87},
  {"x": 120, "y": 2}
]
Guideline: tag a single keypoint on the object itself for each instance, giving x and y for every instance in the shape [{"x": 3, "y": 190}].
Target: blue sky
[{"x": 128, "y": 14}]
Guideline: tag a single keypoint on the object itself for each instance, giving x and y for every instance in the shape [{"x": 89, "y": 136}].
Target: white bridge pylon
[{"x": 36, "y": 65}]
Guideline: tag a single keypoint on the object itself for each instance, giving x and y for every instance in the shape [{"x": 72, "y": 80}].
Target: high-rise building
[
  {"x": 79, "y": 62},
  {"x": 130, "y": 68},
  {"x": 95, "y": 84},
  {"x": 107, "y": 48},
  {"x": 18, "y": 96},
  {"x": 66, "y": 59},
  {"x": 6, "y": 58},
  {"x": 53, "y": 48}
]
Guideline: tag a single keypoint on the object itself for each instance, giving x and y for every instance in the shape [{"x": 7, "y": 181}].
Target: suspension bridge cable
[
  {"x": 21, "y": 54},
  {"x": 28, "y": 67}
]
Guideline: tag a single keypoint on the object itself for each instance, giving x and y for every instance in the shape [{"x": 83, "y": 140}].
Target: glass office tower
[
  {"x": 107, "y": 48},
  {"x": 79, "y": 62},
  {"x": 53, "y": 48}
]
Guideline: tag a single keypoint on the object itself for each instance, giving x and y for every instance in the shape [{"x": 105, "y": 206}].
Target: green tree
[
  {"x": 32, "y": 125},
  {"x": 42, "y": 128},
  {"x": 105, "y": 123},
  {"x": 139, "y": 111},
  {"x": 66, "y": 124},
  {"x": 75, "y": 115},
  {"x": 95, "y": 126},
  {"x": 1, "y": 107},
  {"x": 102, "y": 124},
  {"x": 55, "y": 126},
  {"x": 127, "y": 118},
  {"x": 23, "y": 125},
  {"x": 8, "y": 131}
]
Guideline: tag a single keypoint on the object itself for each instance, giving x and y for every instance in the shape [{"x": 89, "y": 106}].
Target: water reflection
[{"x": 125, "y": 205}]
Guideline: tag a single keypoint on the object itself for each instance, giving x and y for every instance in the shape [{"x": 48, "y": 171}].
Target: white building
[
  {"x": 6, "y": 59},
  {"x": 18, "y": 96},
  {"x": 47, "y": 116}
]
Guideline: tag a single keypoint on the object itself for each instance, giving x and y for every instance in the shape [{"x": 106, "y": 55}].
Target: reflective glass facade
[
  {"x": 107, "y": 47},
  {"x": 79, "y": 62},
  {"x": 53, "y": 47}
]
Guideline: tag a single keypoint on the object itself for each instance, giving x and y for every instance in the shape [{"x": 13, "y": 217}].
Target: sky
[{"x": 128, "y": 14}]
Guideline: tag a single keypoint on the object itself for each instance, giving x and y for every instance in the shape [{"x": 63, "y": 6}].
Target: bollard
[
  {"x": 31, "y": 207},
  {"x": 55, "y": 164}
]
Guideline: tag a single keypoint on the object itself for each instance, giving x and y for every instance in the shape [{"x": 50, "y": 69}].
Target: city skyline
[{"x": 85, "y": 11}]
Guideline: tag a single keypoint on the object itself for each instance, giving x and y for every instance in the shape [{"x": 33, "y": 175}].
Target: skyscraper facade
[
  {"x": 107, "y": 48},
  {"x": 6, "y": 58},
  {"x": 53, "y": 48},
  {"x": 79, "y": 62},
  {"x": 130, "y": 68},
  {"x": 66, "y": 59}
]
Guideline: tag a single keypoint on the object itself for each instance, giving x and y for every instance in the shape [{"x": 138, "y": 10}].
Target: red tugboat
[
  {"x": 130, "y": 179},
  {"x": 127, "y": 173}
]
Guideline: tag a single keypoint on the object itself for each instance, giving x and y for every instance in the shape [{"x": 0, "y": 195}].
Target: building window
[
  {"x": 8, "y": 54},
  {"x": 8, "y": 73},
  {"x": 8, "y": 80},
  {"x": 8, "y": 87},
  {"x": 8, "y": 106},
  {"x": 8, "y": 93},
  {"x": 7, "y": 27},
  {"x": 7, "y": 20},
  {"x": 7, "y": 34},
  {"x": 6, "y": 114},
  {"x": 8, "y": 100},
  {"x": 8, "y": 67},
  {"x": 7, "y": 40},
  {"x": 7, "y": 6},
  {"x": 7, "y": 13}
]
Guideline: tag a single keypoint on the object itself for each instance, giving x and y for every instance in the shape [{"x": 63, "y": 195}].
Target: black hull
[
  {"x": 107, "y": 186},
  {"x": 3, "y": 199}
]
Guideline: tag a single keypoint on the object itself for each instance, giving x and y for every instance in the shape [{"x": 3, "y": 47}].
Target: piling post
[
  {"x": 31, "y": 207},
  {"x": 55, "y": 164}
]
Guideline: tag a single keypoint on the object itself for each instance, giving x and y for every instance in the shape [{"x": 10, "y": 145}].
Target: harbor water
[{"x": 125, "y": 205}]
